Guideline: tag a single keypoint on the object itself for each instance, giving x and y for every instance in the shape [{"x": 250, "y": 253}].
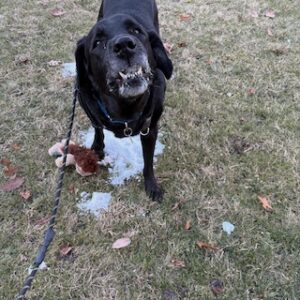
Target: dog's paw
[
  {"x": 154, "y": 191},
  {"x": 99, "y": 152}
]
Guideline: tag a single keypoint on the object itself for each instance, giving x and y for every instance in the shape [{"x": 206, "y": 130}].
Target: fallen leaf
[
  {"x": 23, "y": 258},
  {"x": 72, "y": 189},
  {"x": 5, "y": 162},
  {"x": 169, "y": 47},
  {"x": 10, "y": 171},
  {"x": 177, "y": 263},
  {"x": 43, "y": 221},
  {"x": 16, "y": 147},
  {"x": 265, "y": 203},
  {"x": 65, "y": 250},
  {"x": 270, "y": 14},
  {"x": 204, "y": 245},
  {"x": 184, "y": 17},
  {"x": 178, "y": 204},
  {"x": 121, "y": 243},
  {"x": 25, "y": 195},
  {"x": 57, "y": 12},
  {"x": 188, "y": 224},
  {"x": 12, "y": 184},
  {"x": 216, "y": 286},
  {"x": 54, "y": 63},
  {"x": 270, "y": 32},
  {"x": 254, "y": 14},
  {"x": 251, "y": 91}
]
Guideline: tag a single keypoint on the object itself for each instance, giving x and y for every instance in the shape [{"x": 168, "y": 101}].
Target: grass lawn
[{"x": 232, "y": 132}]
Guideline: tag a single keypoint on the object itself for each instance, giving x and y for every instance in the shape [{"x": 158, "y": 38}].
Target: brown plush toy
[{"x": 85, "y": 160}]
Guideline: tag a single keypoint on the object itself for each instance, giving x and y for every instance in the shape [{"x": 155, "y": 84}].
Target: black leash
[{"x": 49, "y": 234}]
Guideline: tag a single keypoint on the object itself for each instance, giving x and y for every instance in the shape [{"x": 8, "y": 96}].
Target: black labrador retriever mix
[{"x": 121, "y": 69}]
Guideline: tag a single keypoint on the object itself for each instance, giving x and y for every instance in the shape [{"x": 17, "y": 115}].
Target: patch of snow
[
  {"x": 228, "y": 227},
  {"x": 43, "y": 266},
  {"x": 69, "y": 70},
  {"x": 96, "y": 204},
  {"x": 125, "y": 155}
]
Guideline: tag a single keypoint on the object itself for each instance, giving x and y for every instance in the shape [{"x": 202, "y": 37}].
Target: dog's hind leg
[
  {"x": 152, "y": 188},
  {"x": 98, "y": 144}
]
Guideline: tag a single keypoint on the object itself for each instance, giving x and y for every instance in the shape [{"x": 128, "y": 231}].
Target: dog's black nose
[{"x": 124, "y": 45}]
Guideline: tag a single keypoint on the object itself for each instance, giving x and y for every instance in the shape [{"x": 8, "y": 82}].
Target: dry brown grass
[{"x": 224, "y": 147}]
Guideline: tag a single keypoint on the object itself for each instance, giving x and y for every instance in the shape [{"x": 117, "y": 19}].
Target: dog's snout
[{"x": 124, "y": 45}]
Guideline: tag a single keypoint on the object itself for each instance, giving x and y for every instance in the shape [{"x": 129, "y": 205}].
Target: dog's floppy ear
[
  {"x": 82, "y": 77},
  {"x": 163, "y": 61}
]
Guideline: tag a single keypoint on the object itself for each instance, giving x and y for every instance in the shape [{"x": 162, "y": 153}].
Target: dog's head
[{"x": 119, "y": 56}]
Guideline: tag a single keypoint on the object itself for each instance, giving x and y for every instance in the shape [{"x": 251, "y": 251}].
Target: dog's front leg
[
  {"x": 98, "y": 144},
  {"x": 151, "y": 186}
]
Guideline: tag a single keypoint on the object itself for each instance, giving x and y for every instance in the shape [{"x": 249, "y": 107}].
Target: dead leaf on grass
[
  {"x": 43, "y": 221},
  {"x": 10, "y": 171},
  {"x": 121, "y": 243},
  {"x": 25, "y": 195},
  {"x": 204, "y": 245},
  {"x": 251, "y": 91},
  {"x": 270, "y": 13},
  {"x": 23, "y": 258},
  {"x": 5, "y": 162},
  {"x": 254, "y": 14},
  {"x": 72, "y": 189},
  {"x": 184, "y": 17},
  {"x": 216, "y": 286},
  {"x": 57, "y": 12},
  {"x": 178, "y": 205},
  {"x": 188, "y": 225},
  {"x": 265, "y": 203},
  {"x": 169, "y": 47},
  {"x": 177, "y": 263},
  {"x": 12, "y": 184},
  {"x": 65, "y": 250},
  {"x": 16, "y": 147},
  {"x": 270, "y": 32}
]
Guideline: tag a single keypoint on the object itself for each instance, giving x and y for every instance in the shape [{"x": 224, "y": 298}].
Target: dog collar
[{"x": 128, "y": 131}]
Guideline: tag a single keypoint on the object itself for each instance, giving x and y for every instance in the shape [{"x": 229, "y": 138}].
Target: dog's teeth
[{"x": 124, "y": 76}]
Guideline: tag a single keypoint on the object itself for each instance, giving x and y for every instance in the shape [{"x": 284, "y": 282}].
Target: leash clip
[{"x": 127, "y": 131}]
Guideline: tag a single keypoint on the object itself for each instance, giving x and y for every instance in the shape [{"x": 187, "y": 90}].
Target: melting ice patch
[
  {"x": 228, "y": 227},
  {"x": 125, "y": 155},
  {"x": 68, "y": 69},
  {"x": 43, "y": 266},
  {"x": 96, "y": 204}
]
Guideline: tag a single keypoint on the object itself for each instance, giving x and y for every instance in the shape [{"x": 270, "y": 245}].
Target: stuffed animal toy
[{"x": 85, "y": 160}]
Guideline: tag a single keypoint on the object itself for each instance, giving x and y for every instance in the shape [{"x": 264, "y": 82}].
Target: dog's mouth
[{"x": 131, "y": 82}]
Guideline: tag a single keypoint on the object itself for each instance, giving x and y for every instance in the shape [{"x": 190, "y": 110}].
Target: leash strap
[{"x": 49, "y": 234}]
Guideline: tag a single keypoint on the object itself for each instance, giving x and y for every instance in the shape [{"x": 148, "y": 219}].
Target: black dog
[{"x": 121, "y": 69}]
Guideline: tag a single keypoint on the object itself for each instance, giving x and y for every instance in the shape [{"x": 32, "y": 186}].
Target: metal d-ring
[
  {"x": 145, "y": 133},
  {"x": 127, "y": 131}
]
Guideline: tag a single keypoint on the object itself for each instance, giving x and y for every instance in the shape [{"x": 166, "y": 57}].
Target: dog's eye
[
  {"x": 99, "y": 42},
  {"x": 134, "y": 30}
]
